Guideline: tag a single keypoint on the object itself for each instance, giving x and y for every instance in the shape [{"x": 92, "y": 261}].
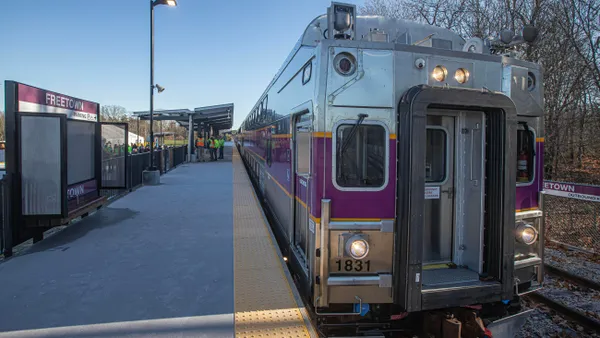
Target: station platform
[{"x": 191, "y": 257}]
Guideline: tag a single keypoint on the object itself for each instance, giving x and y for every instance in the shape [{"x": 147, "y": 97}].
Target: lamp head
[
  {"x": 159, "y": 88},
  {"x": 170, "y": 3}
]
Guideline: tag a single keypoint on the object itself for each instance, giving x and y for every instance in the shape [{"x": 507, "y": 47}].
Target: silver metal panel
[
  {"x": 528, "y": 214},
  {"x": 370, "y": 86},
  {"x": 323, "y": 298},
  {"x": 438, "y": 214},
  {"x": 80, "y": 151},
  {"x": 435, "y": 277},
  {"x": 509, "y": 327},
  {"x": 528, "y": 262},
  {"x": 468, "y": 237},
  {"x": 381, "y": 251},
  {"x": 41, "y": 177},
  {"x": 368, "y": 293},
  {"x": 383, "y": 225},
  {"x": 515, "y": 85},
  {"x": 382, "y": 280},
  {"x": 279, "y": 202}
]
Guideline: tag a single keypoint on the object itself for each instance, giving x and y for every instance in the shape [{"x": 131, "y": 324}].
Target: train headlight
[
  {"x": 439, "y": 73},
  {"x": 461, "y": 75},
  {"x": 357, "y": 247},
  {"x": 526, "y": 233},
  {"x": 345, "y": 64}
]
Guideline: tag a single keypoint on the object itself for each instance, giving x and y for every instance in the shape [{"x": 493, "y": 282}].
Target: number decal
[{"x": 350, "y": 265}]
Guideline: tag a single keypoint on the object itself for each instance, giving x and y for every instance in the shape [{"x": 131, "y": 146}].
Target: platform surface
[{"x": 158, "y": 262}]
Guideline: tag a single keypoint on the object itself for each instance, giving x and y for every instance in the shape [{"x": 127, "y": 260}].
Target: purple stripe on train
[{"x": 354, "y": 204}]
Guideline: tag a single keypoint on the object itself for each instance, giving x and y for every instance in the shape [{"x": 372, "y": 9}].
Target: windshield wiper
[{"x": 344, "y": 146}]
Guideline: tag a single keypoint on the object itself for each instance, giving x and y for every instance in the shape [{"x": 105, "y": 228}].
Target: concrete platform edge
[{"x": 301, "y": 307}]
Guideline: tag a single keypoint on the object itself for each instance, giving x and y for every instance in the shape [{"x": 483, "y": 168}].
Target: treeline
[{"x": 568, "y": 48}]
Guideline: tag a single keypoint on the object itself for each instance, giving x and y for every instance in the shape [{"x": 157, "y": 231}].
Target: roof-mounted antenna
[{"x": 341, "y": 21}]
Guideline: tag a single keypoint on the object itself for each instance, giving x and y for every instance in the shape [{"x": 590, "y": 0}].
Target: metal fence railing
[
  {"x": 164, "y": 159},
  {"x": 572, "y": 214},
  {"x": 573, "y": 222}
]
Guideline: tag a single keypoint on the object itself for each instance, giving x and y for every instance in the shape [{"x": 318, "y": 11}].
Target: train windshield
[{"x": 361, "y": 160}]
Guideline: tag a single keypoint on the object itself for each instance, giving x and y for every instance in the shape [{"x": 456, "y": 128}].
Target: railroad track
[{"x": 568, "y": 312}]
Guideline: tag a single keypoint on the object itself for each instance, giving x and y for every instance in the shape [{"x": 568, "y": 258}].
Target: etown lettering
[
  {"x": 559, "y": 186},
  {"x": 76, "y": 191},
  {"x": 63, "y": 102}
]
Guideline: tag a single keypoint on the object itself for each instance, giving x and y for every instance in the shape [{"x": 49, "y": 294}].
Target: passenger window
[
  {"x": 525, "y": 154},
  {"x": 361, "y": 159},
  {"x": 435, "y": 156}
]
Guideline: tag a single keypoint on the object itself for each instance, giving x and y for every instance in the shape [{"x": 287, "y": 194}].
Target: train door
[
  {"x": 453, "y": 214},
  {"x": 302, "y": 140},
  {"x": 439, "y": 190}
]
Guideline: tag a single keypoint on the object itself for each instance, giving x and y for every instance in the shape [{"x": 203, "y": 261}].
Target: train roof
[{"x": 399, "y": 31}]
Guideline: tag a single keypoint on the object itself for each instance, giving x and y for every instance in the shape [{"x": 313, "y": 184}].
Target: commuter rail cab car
[{"x": 401, "y": 167}]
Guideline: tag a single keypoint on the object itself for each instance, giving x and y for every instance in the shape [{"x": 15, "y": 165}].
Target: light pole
[{"x": 154, "y": 3}]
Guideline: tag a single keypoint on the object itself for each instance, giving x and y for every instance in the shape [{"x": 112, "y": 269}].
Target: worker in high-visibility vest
[
  {"x": 212, "y": 144},
  {"x": 221, "y": 146},
  {"x": 200, "y": 149}
]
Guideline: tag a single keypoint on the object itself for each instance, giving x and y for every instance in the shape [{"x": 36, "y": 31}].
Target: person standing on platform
[
  {"x": 221, "y": 146},
  {"x": 200, "y": 149},
  {"x": 212, "y": 144}
]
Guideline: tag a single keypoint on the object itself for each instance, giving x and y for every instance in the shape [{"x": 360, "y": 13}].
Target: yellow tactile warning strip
[{"x": 265, "y": 305}]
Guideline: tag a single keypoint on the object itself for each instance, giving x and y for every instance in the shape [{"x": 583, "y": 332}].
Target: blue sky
[{"x": 206, "y": 51}]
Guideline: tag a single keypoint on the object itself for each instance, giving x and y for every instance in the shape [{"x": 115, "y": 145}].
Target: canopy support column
[{"x": 190, "y": 136}]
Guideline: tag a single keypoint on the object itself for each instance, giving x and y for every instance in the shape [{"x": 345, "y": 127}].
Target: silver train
[{"x": 401, "y": 167}]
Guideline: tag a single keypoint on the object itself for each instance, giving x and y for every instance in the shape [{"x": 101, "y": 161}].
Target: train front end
[{"x": 432, "y": 177}]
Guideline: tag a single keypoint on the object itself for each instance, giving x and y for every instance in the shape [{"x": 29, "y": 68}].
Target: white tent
[{"x": 115, "y": 135}]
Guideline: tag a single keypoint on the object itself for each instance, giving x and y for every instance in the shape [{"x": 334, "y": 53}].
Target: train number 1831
[{"x": 349, "y": 265}]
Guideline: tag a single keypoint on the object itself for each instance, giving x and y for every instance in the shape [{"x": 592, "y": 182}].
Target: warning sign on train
[{"x": 432, "y": 193}]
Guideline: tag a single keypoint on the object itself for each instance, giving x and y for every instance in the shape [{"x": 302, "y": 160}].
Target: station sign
[
  {"x": 36, "y": 100},
  {"x": 572, "y": 190}
]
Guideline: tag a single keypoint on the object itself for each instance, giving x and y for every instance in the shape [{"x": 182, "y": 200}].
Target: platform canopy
[{"x": 219, "y": 117}]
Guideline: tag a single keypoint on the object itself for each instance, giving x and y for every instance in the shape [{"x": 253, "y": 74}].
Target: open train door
[
  {"x": 456, "y": 197},
  {"x": 113, "y": 155}
]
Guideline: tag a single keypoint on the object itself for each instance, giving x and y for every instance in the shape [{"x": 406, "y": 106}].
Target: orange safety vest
[
  {"x": 200, "y": 142},
  {"x": 211, "y": 143}
]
